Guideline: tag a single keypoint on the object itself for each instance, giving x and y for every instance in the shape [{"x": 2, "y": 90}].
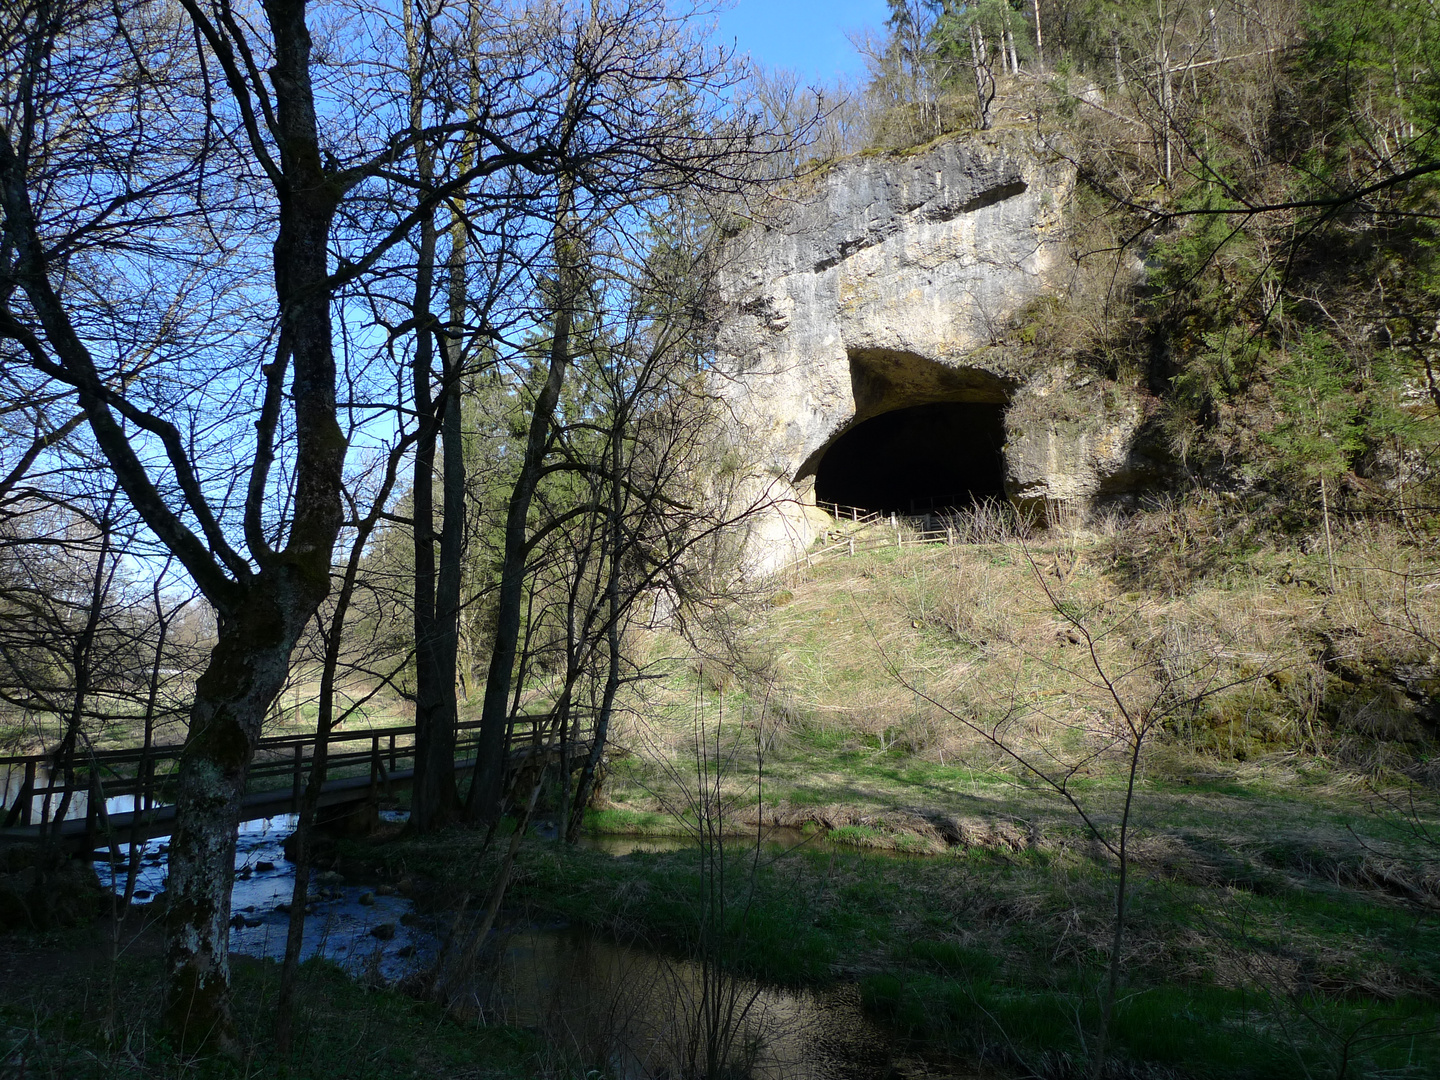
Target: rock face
[{"x": 883, "y": 286}]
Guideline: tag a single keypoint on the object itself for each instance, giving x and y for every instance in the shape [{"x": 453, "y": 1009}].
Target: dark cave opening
[{"x": 926, "y": 457}]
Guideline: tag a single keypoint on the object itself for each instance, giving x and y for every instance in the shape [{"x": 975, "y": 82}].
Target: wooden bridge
[{"x": 361, "y": 766}]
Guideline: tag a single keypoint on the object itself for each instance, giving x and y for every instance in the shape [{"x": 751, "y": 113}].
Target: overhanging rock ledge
[{"x": 886, "y": 283}]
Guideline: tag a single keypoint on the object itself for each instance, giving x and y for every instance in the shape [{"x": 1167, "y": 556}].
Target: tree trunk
[
  {"x": 1039, "y": 38},
  {"x": 262, "y": 614},
  {"x": 486, "y": 791},
  {"x": 247, "y": 669},
  {"x": 80, "y": 659},
  {"x": 1329, "y": 542},
  {"x": 304, "y": 827},
  {"x": 141, "y": 800},
  {"x": 434, "y": 799},
  {"x": 447, "y": 584},
  {"x": 585, "y": 788},
  {"x": 615, "y": 546}
]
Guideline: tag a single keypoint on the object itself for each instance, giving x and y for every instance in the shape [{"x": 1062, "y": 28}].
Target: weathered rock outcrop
[{"x": 883, "y": 285}]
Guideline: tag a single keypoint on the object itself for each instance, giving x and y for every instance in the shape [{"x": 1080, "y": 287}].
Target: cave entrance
[{"x": 945, "y": 455}]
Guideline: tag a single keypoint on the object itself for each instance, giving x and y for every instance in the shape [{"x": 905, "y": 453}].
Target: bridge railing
[{"x": 38, "y": 790}]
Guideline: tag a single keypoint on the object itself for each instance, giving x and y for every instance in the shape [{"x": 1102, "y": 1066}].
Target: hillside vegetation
[
  {"x": 970, "y": 703},
  {"x": 1141, "y": 787}
]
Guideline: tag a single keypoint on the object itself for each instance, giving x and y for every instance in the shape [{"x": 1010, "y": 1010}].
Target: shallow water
[
  {"x": 631, "y": 1008},
  {"x": 339, "y": 925},
  {"x": 640, "y": 1013}
]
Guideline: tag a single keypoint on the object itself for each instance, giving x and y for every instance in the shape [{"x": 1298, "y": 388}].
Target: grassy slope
[{"x": 1283, "y": 915}]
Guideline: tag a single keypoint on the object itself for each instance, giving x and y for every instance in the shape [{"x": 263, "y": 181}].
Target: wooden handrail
[
  {"x": 275, "y": 756},
  {"x": 277, "y": 742}
]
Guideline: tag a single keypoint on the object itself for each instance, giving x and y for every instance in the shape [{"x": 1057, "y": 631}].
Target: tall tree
[
  {"x": 55, "y": 144},
  {"x": 642, "y": 117},
  {"x": 141, "y": 153},
  {"x": 434, "y": 799},
  {"x": 189, "y": 194}
]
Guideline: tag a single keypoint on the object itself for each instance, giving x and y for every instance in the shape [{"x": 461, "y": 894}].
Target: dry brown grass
[{"x": 875, "y": 671}]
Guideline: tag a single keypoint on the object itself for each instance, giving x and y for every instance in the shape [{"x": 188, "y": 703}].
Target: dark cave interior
[{"x": 926, "y": 457}]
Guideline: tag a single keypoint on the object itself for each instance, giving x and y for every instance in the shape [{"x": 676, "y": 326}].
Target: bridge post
[
  {"x": 145, "y": 789},
  {"x": 296, "y": 778},
  {"x": 28, "y": 794},
  {"x": 45, "y": 802},
  {"x": 374, "y": 766},
  {"x": 94, "y": 799}
]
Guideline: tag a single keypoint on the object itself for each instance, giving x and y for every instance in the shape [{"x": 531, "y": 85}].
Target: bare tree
[
  {"x": 632, "y": 141},
  {"x": 264, "y": 601},
  {"x": 1135, "y": 682}
]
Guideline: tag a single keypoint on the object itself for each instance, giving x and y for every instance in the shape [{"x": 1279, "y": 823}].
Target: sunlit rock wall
[{"x": 883, "y": 283}]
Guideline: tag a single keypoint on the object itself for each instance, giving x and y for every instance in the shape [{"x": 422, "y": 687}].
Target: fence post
[
  {"x": 852, "y": 547},
  {"x": 299, "y": 764},
  {"x": 93, "y": 799},
  {"x": 374, "y": 764},
  {"x": 27, "y": 809}
]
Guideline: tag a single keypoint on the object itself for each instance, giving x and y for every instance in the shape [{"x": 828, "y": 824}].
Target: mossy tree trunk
[
  {"x": 262, "y": 600},
  {"x": 247, "y": 671},
  {"x": 258, "y": 628}
]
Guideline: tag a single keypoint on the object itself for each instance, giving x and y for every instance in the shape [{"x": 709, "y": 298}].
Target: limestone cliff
[{"x": 883, "y": 284}]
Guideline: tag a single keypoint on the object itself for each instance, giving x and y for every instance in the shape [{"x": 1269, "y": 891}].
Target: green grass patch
[
  {"x": 1007, "y": 948},
  {"x": 625, "y": 822},
  {"x": 102, "y": 1021},
  {"x": 1204, "y": 1031}
]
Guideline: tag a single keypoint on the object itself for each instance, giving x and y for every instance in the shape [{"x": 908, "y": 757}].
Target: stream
[
  {"x": 365, "y": 930},
  {"x": 634, "y": 1009}
]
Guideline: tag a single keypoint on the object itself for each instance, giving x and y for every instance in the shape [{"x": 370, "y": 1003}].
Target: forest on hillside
[
  {"x": 358, "y": 366},
  {"x": 1269, "y": 170}
]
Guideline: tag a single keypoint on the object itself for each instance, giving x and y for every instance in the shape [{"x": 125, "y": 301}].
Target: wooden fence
[{"x": 901, "y": 531}]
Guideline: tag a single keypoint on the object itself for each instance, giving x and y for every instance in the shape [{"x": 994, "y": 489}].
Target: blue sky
[{"x": 806, "y": 36}]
